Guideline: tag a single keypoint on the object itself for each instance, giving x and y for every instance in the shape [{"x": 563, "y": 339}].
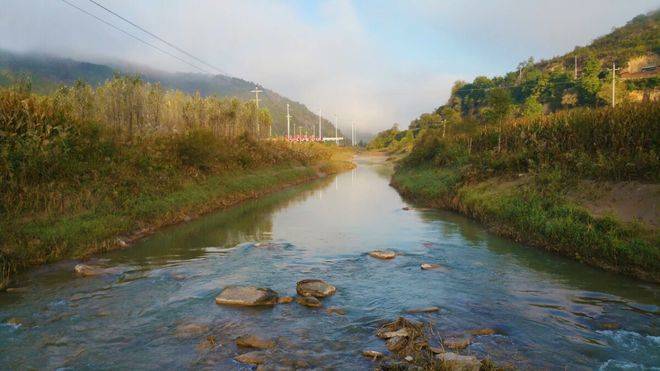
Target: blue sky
[{"x": 371, "y": 62}]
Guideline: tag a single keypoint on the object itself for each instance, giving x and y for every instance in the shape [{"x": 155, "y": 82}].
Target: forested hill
[
  {"x": 47, "y": 73},
  {"x": 581, "y": 77}
]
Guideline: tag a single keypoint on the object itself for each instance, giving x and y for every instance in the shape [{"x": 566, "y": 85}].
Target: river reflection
[{"x": 550, "y": 312}]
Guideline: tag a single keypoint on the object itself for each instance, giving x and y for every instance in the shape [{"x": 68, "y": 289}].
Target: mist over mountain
[{"x": 48, "y": 72}]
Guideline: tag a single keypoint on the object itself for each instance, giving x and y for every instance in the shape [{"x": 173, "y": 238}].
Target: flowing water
[{"x": 549, "y": 312}]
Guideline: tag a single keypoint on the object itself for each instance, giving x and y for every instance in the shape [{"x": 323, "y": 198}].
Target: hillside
[
  {"x": 581, "y": 77},
  {"x": 47, "y": 73},
  {"x": 540, "y": 88}
]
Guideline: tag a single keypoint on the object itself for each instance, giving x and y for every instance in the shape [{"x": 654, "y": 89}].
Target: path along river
[{"x": 549, "y": 312}]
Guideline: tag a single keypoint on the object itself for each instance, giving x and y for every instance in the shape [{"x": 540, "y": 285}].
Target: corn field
[{"x": 619, "y": 143}]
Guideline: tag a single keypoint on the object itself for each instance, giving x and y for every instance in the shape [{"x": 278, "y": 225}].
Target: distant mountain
[{"x": 49, "y": 72}]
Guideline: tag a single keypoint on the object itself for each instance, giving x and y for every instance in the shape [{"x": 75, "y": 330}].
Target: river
[{"x": 549, "y": 312}]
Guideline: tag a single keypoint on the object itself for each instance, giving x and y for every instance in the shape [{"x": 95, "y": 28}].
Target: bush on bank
[{"x": 84, "y": 164}]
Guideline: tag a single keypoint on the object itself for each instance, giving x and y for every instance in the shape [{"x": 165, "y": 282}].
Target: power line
[
  {"x": 158, "y": 37},
  {"x": 133, "y": 36}
]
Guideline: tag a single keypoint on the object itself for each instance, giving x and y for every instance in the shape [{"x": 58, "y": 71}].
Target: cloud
[{"x": 371, "y": 62}]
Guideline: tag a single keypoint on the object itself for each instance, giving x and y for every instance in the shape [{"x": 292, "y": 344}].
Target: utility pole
[
  {"x": 336, "y": 124},
  {"x": 613, "y": 84},
  {"x": 575, "y": 67},
  {"x": 288, "y": 121},
  {"x": 256, "y": 92},
  {"x": 320, "y": 133},
  {"x": 353, "y": 134}
]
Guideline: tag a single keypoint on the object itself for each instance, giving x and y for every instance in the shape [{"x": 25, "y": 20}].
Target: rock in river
[
  {"x": 382, "y": 254},
  {"x": 315, "y": 288},
  {"x": 249, "y": 296},
  {"x": 402, "y": 332},
  {"x": 456, "y": 342},
  {"x": 254, "y": 341},
  {"x": 85, "y": 270},
  {"x": 252, "y": 358},
  {"x": 190, "y": 330},
  {"x": 336, "y": 310},
  {"x": 457, "y": 362},
  {"x": 309, "y": 301},
  {"x": 373, "y": 354},
  {"x": 284, "y": 300},
  {"x": 429, "y": 266},
  {"x": 422, "y": 310}
]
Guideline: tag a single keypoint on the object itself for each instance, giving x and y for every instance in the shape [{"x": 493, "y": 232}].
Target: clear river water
[{"x": 549, "y": 312}]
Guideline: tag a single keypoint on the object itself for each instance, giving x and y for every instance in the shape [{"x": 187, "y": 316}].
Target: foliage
[
  {"x": 618, "y": 144},
  {"x": 84, "y": 164}
]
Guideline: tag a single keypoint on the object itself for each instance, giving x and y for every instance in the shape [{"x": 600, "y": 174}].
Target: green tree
[
  {"x": 589, "y": 84},
  {"x": 499, "y": 108},
  {"x": 532, "y": 108}
]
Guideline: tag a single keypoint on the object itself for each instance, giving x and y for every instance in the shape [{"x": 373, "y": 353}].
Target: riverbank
[
  {"x": 541, "y": 210},
  {"x": 93, "y": 232}
]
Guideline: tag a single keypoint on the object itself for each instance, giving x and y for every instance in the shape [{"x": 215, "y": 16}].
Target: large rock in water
[
  {"x": 249, "y": 296},
  {"x": 315, "y": 288}
]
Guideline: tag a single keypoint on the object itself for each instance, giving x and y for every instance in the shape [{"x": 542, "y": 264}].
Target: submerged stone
[
  {"x": 457, "y": 362},
  {"x": 395, "y": 343},
  {"x": 254, "y": 341},
  {"x": 209, "y": 343},
  {"x": 246, "y": 296},
  {"x": 85, "y": 270},
  {"x": 429, "y": 266},
  {"x": 383, "y": 254},
  {"x": 422, "y": 310},
  {"x": 309, "y": 301},
  {"x": 372, "y": 354},
  {"x": 190, "y": 330},
  {"x": 252, "y": 358},
  {"x": 284, "y": 300},
  {"x": 315, "y": 288},
  {"x": 456, "y": 342},
  {"x": 482, "y": 332},
  {"x": 336, "y": 310}
]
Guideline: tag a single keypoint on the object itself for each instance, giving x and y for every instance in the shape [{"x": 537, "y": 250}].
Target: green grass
[
  {"x": 38, "y": 241},
  {"x": 534, "y": 211},
  {"x": 427, "y": 183}
]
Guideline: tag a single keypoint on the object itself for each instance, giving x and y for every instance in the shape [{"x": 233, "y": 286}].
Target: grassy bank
[
  {"x": 520, "y": 190},
  {"x": 71, "y": 185}
]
